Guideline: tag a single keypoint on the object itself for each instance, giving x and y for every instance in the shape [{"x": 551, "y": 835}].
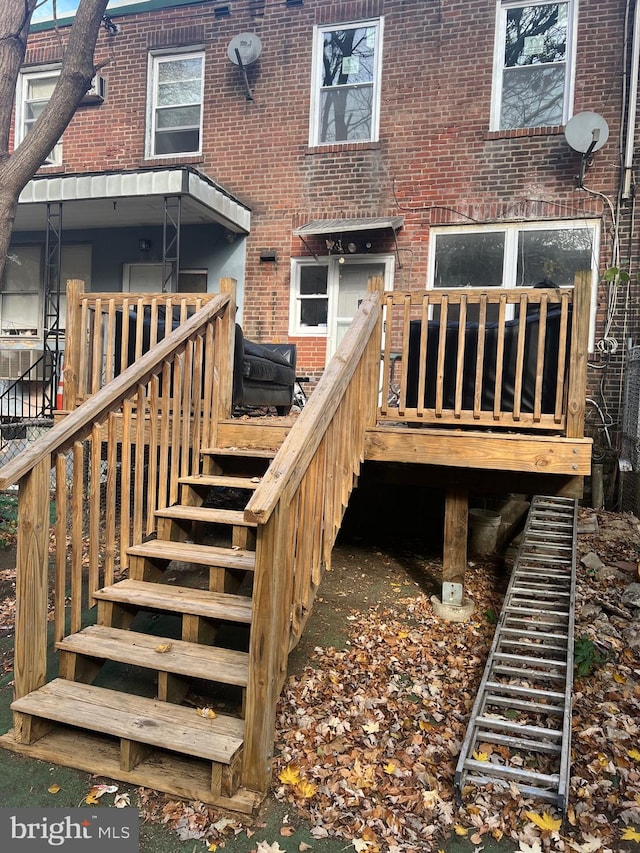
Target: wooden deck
[{"x": 154, "y": 570}]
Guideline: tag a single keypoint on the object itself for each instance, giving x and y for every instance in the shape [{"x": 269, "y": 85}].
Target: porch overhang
[
  {"x": 340, "y": 227},
  {"x": 346, "y": 226},
  {"x": 129, "y": 198}
]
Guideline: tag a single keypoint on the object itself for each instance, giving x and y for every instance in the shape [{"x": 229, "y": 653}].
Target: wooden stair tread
[
  {"x": 260, "y": 452},
  {"x": 179, "y": 599},
  {"x": 212, "y": 515},
  {"x": 225, "y": 666},
  {"x": 135, "y": 718},
  {"x": 187, "y": 552},
  {"x": 228, "y": 481}
]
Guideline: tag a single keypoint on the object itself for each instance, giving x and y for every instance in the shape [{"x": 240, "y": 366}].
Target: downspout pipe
[{"x": 633, "y": 105}]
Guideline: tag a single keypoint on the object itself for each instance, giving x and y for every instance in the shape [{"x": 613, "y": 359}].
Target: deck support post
[
  {"x": 31, "y": 580},
  {"x": 453, "y": 605}
]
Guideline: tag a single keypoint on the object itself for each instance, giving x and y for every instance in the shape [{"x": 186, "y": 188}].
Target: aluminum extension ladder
[{"x": 520, "y": 727}]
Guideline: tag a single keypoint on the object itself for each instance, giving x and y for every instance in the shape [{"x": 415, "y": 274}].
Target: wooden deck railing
[
  {"x": 106, "y": 332},
  {"x": 493, "y": 358},
  {"x": 116, "y": 458},
  {"x": 299, "y": 507}
]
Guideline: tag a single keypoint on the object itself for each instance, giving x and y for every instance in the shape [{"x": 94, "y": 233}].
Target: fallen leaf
[
  {"x": 460, "y": 830},
  {"x": 290, "y": 775},
  {"x": 265, "y": 847},
  {"x": 54, "y": 789},
  {"x": 544, "y": 821},
  {"x": 630, "y": 834},
  {"x": 208, "y": 713},
  {"x": 480, "y": 756},
  {"x": 529, "y": 848},
  {"x": 286, "y": 831},
  {"x": 306, "y": 789},
  {"x": 634, "y": 753},
  {"x": 163, "y": 648}
]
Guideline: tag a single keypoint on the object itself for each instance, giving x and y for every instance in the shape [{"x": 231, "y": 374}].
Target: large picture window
[
  {"x": 175, "y": 104},
  {"x": 515, "y": 255},
  {"x": 34, "y": 90},
  {"x": 345, "y": 96},
  {"x": 533, "y": 64}
]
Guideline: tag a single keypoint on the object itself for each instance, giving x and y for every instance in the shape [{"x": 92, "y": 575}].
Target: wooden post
[
  {"x": 576, "y": 401},
  {"x": 268, "y": 651},
  {"x": 74, "y": 340},
  {"x": 374, "y": 369},
  {"x": 32, "y": 562},
  {"x": 223, "y": 359},
  {"x": 454, "y": 557}
]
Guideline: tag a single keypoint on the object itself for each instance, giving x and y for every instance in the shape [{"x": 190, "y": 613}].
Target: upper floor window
[
  {"x": 175, "y": 104},
  {"x": 345, "y": 96},
  {"x": 34, "y": 90},
  {"x": 533, "y": 68}
]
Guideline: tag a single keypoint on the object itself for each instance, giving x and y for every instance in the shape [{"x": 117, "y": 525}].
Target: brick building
[{"x": 422, "y": 140}]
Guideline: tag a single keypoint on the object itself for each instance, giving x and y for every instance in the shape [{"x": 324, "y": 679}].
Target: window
[
  {"x": 533, "y": 64},
  {"x": 175, "y": 104},
  {"x": 34, "y": 90},
  {"x": 345, "y": 97},
  {"x": 326, "y": 294},
  {"x": 518, "y": 255},
  {"x": 22, "y": 293},
  {"x": 147, "y": 278}
]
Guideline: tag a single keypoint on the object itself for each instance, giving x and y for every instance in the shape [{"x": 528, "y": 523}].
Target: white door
[{"x": 351, "y": 288}]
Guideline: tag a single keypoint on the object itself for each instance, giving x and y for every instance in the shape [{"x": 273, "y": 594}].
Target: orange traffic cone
[{"x": 60, "y": 391}]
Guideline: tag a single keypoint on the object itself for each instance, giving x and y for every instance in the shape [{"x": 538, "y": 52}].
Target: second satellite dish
[
  {"x": 586, "y": 132},
  {"x": 244, "y": 49}
]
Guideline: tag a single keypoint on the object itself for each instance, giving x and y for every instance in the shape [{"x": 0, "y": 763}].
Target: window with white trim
[
  {"x": 345, "y": 95},
  {"x": 533, "y": 65},
  {"x": 34, "y": 90},
  {"x": 174, "y": 121},
  {"x": 521, "y": 254}
]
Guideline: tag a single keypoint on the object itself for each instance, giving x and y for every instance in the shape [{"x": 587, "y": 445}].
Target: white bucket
[{"x": 483, "y": 531}]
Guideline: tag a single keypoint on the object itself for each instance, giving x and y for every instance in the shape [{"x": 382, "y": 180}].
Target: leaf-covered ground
[{"x": 369, "y": 734}]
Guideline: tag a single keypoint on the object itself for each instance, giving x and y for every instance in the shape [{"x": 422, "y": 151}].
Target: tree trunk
[{"x": 77, "y": 50}]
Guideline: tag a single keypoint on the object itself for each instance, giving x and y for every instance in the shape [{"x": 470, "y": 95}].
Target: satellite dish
[
  {"x": 586, "y": 132},
  {"x": 244, "y": 49}
]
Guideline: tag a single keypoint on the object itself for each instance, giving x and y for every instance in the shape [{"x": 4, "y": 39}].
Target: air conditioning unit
[
  {"x": 96, "y": 92},
  {"x": 15, "y": 363}
]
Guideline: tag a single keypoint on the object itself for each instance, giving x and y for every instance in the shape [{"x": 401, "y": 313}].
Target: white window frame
[
  {"x": 24, "y": 79},
  {"x": 316, "y": 81},
  {"x": 510, "y": 260},
  {"x": 296, "y": 329},
  {"x": 157, "y": 58},
  {"x": 502, "y": 7}
]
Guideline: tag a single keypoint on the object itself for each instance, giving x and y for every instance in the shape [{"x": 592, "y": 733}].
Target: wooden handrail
[
  {"x": 78, "y": 423},
  {"x": 292, "y": 459}
]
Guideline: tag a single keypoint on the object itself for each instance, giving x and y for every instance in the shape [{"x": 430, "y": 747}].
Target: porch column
[{"x": 454, "y": 606}]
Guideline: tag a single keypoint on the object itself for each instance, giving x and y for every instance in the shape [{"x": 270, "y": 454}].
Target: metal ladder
[{"x": 520, "y": 727}]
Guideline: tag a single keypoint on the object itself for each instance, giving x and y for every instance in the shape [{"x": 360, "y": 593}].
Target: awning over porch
[
  {"x": 344, "y": 226},
  {"x": 129, "y": 198}
]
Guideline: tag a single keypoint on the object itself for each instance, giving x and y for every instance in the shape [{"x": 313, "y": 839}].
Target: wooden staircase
[
  {"x": 179, "y": 571},
  {"x": 183, "y": 617}
]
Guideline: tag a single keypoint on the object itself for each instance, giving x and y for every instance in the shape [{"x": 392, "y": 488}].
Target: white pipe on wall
[{"x": 633, "y": 104}]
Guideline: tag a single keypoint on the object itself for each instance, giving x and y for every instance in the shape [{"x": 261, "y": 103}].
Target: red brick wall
[{"x": 435, "y": 162}]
